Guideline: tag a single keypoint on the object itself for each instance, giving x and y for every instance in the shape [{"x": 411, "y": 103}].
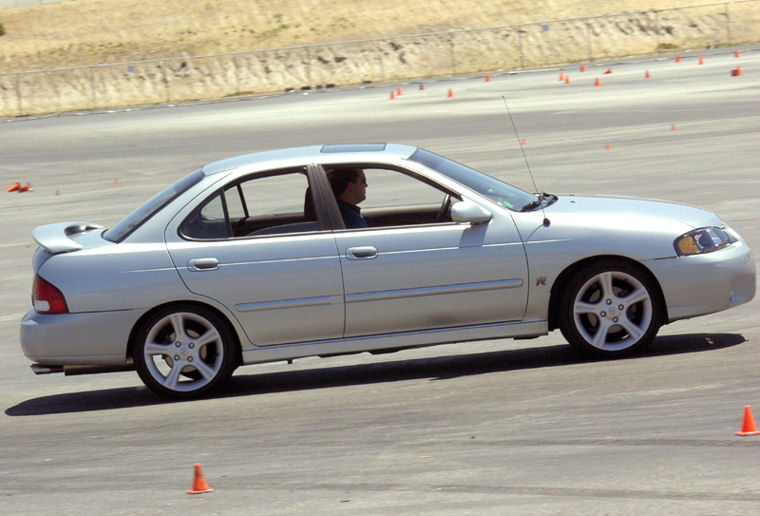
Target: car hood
[
  {"x": 622, "y": 213},
  {"x": 591, "y": 226}
]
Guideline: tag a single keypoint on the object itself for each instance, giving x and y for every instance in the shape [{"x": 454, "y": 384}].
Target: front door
[{"x": 413, "y": 268}]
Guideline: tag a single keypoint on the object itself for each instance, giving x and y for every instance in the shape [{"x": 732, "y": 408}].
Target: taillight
[{"x": 47, "y": 299}]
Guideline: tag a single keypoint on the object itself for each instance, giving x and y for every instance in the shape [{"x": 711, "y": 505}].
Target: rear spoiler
[{"x": 56, "y": 238}]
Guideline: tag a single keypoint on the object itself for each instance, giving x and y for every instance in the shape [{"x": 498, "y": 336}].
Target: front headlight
[{"x": 702, "y": 240}]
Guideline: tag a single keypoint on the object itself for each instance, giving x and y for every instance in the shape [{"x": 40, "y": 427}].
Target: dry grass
[{"x": 83, "y": 32}]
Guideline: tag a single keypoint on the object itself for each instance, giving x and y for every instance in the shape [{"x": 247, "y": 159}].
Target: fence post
[
  {"x": 657, "y": 31},
  {"x": 60, "y": 97},
  {"x": 235, "y": 67},
  {"x": 520, "y": 45},
  {"x": 451, "y": 51},
  {"x": 166, "y": 79},
  {"x": 728, "y": 25},
  {"x": 18, "y": 95},
  {"x": 382, "y": 60},
  {"x": 92, "y": 87}
]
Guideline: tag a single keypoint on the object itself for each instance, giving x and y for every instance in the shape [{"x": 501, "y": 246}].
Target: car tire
[
  {"x": 184, "y": 351},
  {"x": 610, "y": 308}
]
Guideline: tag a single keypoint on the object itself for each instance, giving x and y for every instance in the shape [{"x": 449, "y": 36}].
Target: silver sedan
[{"x": 268, "y": 257}]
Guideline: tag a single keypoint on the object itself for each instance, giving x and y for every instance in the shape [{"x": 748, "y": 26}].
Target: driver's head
[{"x": 348, "y": 184}]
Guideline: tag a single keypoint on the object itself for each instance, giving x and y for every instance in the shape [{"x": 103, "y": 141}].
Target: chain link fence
[{"x": 509, "y": 47}]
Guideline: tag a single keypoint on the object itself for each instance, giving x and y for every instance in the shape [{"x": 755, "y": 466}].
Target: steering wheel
[{"x": 444, "y": 207}]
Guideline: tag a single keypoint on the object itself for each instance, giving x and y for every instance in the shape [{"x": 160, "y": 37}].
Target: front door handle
[
  {"x": 203, "y": 264},
  {"x": 366, "y": 252}
]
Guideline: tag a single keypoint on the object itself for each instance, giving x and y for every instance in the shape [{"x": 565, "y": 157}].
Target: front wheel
[
  {"x": 184, "y": 351},
  {"x": 610, "y": 309}
]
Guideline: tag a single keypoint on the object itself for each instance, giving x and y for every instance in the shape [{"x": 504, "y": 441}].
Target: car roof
[{"x": 315, "y": 154}]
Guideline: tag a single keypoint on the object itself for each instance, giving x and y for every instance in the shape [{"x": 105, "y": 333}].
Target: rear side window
[
  {"x": 209, "y": 221},
  {"x": 273, "y": 203},
  {"x": 155, "y": 204}
]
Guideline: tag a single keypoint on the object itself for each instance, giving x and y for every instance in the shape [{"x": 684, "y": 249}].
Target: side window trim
[
  {"x": 316, "y": 181},
  {"x": 226, "y": 213},
  {"x": 196, "y": 212},
  {"x": 327, "y": 210},
  {"x": 332, "y": 206},
  {"x": 242, "y": 199}
]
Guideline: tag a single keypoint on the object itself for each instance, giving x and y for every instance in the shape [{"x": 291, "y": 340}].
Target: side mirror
[{"x": 468, "y": 211}]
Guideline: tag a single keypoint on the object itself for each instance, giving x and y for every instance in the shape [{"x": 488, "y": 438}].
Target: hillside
[{"x": 84, "y": 32}]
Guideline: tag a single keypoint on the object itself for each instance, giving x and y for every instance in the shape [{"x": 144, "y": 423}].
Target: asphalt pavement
[{"x": 493, "y": 427}]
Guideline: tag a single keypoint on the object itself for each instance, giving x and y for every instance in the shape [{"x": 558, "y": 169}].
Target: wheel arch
[
  {"x": 132, "y": 342},
  {"x": 567, "y": 273}
]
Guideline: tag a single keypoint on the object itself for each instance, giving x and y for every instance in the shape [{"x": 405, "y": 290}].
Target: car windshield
[
  {"x": 132, "y": 221},
  {"x": 497, "y": 191}
]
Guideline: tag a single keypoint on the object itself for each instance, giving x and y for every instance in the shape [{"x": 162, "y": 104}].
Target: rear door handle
[
  {"x": 203, "y": 264},
  {"x": 366, "y": 252}
]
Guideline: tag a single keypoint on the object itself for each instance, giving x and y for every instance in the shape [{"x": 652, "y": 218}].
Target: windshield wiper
[
  {"x": 543, "y": 196},
  {"x": 531, "y": 205}
]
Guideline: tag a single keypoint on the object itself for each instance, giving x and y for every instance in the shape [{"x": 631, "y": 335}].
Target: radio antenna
[{"x": 527, "y": 164}]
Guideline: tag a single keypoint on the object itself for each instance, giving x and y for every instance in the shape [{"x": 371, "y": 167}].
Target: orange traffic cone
[
  {"x": 561, "y": 76},
  {"x": 451, "y": 93},
  {"x": 678, "y": 58},
  {"x": 737, "y": 72},
  {"x": 701, "y": 60},
  {"x": 26, "y": 188},
  {"x": 567, "y": 79},
  {"x": 422, "y": 86},
  {"x": 199, "y": 483},
  {"x": 748, "y": 427},
  {"x": 608, "y": 70},
  {"x": 673, "y": 127},
  {"x": 14, "y": 187},
  {"x": 737, "y": 53},
  {"x": 598, "y": 82},
  {"x": 583, "y": 67},
  {"x": 608, "y": 147},
  {"x": 523, "y": 142},
  {"x": 647, "y": 75},
  {"x": 398, "y": 91},
  {"x": 116, "y": 181},
  {"x": 488, "y": 77},
  {"x": 393, "y": 96}
]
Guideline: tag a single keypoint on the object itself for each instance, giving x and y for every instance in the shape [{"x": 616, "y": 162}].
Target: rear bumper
[
  {"x": 79, "y": 339},
  {"x": 708, "y": 283}
]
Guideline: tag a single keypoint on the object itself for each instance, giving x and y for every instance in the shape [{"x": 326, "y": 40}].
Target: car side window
[
  {"x": 275, "y": 195},
  {"x": 400, "y": 198},
  {"x": 208, "y": 221},
  {"x": 264, "y": 204},
  {"x": 390, "y": 188}
]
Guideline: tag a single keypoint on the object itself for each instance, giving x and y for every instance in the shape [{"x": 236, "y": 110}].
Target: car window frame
[
  {"x": 422, "y": 157},
  {"x": 313, "y": 181},
  {"x": 147, "y": 210},
  {"x": 337, "y": 219}
]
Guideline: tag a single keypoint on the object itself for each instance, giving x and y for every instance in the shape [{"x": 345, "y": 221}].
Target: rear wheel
[
  {"x": 184, "y": 351},
  {"x": 610, "y": 309}
]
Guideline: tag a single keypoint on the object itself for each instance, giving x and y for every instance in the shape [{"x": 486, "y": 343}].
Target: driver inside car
[{"x": 349, "y": 185}]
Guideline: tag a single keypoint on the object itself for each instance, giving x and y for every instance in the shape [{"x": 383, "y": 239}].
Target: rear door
[{"x": 258, "y": 247}]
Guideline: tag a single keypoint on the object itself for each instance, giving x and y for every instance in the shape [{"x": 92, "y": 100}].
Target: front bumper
[
  {"x": 86, "y": 339},
  {"x": 707, "y": 283}
]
